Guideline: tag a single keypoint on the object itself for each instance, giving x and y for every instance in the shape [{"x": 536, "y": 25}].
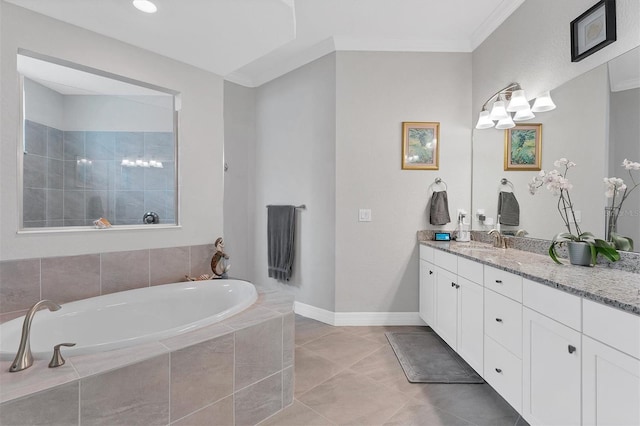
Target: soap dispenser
[{"x": 463, "y": 233}]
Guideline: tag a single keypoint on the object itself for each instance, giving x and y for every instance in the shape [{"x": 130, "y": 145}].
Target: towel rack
[
  {"x": 506, "y": 182},
  {"x": 301, "y": 206},
  {"x": 438, "y": 181}
]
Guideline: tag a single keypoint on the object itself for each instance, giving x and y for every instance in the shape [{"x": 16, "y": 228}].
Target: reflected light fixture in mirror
[
  {"x": 145, "y": 6},
  {"x": 517, "y": 104}
]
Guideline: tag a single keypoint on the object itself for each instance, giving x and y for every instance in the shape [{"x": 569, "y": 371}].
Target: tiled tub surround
[
  {"x": 65, "y": 279},
  {"x": 238, "y": 371},
  {"x": 612, "y": 287},
  {"x": 62, "y": 190}
]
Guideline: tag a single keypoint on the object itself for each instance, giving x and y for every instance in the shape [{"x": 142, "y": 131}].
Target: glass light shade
[
  {"x": 505, "y": 123},
  {"x": 145, "y": 6},
  {"x": 484, "y": 121},
  {"x": 543, "y": 103},
  {"x": 498, "y": 112},
  {"x": 518, "y": 101},
  {"x": 524, "y": 115}
]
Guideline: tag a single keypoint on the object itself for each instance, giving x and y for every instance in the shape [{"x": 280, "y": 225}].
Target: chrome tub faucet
[{"x": 24, "y": 358}]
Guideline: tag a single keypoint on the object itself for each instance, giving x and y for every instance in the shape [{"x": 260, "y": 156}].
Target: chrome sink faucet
[
  {"x": 24, "y": 358},
  {"x": 500, "y": 241}
]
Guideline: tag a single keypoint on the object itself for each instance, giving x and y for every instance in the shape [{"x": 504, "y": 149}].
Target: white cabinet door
[
  {"x": 551, "y": 371},
  {"x": 447, "y": 306},
  {"x": 470, "y": 323},
  {"x": 610, "y": 385},
  {"x": 427, "y": 292}
]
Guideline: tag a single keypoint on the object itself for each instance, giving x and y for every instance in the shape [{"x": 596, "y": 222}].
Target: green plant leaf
[
  {"x": 606, "y": 250},
  {"x": 622, "y": 243},
  {"x": 552, "y": 253}
]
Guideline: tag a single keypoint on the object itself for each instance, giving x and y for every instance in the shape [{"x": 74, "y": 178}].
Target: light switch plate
[{"x": 364, "y": 215}]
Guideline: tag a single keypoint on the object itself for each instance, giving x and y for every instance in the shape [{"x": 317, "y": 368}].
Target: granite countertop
[{"x": 612, "y": 287}]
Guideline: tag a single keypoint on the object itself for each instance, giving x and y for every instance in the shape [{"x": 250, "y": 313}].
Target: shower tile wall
[{"x": 60, "y": 189}]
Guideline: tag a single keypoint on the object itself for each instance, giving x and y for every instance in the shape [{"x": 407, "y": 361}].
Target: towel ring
[
  {"x": 506, "y": 182},
  {"x": 438, "y": 181}
]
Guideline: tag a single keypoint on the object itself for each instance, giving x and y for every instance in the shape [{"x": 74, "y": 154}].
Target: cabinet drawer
[
  {"x": 470, "y": 270},
  {"x": 558, "y": 305},
  {"x": 446, "y": 261},
  {"x": 612, "y": 326},
  {"x": 503, "y": 371},
  {"x": 503, "y": 282},
  {"x": 426, "y": 253},
  {"x": 503, "y": 321}
]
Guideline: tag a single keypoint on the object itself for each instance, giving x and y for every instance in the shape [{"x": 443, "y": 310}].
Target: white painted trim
[
  {"x": 357, "y": 318},
  {"x": 239, "y": 78},
  {"x": 312, "y": 312},
  {"x": 396, "y": 45},
  {"x": 632, "y": 83},
  {"x": 495, "y": 19}
]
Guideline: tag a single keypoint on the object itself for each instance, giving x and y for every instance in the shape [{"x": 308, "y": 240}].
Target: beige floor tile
[
  {"x": 297, "y": 414},
  {"x": 342, "y": 348},
  {"x": 308, "y": 330},
  {"x": 418, "y": 414},
  {"x": 383, "y": 367},
  {"x": 349, "y": 398},
  {"x": 311, "y": 370},
  {"x": 377, "y": 333}
]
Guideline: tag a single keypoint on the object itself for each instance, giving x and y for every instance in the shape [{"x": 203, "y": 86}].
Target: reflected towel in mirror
[{"x": 508, "y": 209}]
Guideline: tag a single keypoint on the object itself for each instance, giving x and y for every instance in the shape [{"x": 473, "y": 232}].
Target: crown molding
[
  {"x": 495, "y": 19},
  {"x": 398, "y": 45}
]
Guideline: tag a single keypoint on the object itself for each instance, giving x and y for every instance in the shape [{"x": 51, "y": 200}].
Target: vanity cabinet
[
  {"x": 557, "y": 358},
  {"x": 552, "y": 353},
  {"x": 427, "y": 300},
  {"x": 551, "y": 367},
  {"x": 610, "y": 366}
]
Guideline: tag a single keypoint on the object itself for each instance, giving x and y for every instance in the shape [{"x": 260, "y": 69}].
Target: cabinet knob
[
  {"x": 498, "y": 370},
  {"x": 572, "y": 349},
  {"x": 430, "y": 272},
  {"x": 499, "y": 281},
  {"x": 453, "y": 284},
  {"x": 457, "y": 285},
  {"x": 499, "y": 319}
]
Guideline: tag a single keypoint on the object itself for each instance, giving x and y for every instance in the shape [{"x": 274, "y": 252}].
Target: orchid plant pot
[{"x": 579, "y": 253}]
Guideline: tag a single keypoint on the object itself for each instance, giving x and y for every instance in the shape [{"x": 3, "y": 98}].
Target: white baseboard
[{"x": 358, "y": 318}]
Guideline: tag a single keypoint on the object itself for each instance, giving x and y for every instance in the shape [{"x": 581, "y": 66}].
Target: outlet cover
[{"x": 364, "y": 215}]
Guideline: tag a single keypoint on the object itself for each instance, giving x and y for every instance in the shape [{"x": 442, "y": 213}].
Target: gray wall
[
  {"x": 200, "y": 134},
  {"x": 296, "y": 164},
  {"x": 239, "y": 179},
  {"x": 377, "y": 261},
  {"x": 625, "y": 134}
]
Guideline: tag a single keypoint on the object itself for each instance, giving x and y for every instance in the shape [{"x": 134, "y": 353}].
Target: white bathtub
[{"x": 130, "y": 317}]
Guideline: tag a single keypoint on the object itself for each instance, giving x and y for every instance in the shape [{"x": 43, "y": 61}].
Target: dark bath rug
[{"x": 426, "y": 358}]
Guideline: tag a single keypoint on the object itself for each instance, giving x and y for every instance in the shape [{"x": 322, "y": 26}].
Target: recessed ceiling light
[{"x": 145, "y": 6}]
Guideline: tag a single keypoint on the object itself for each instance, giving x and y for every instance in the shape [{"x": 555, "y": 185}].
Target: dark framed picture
[
  {"x": 523, "y": 147},
  {"x": 420, "y": 145},
  {"x": 593, "y": 30}
]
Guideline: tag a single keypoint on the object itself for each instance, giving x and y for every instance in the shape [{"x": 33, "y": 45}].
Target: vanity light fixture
[
  {"x": 145, "y": 6},
  {"x": 511, "y": 99}
]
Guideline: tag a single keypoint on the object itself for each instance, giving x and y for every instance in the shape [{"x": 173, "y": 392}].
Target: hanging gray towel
[
  {"x": 439, "y": 213},
  {"x": 281, "y": 225},
  {"x": 508, "y": 209}
]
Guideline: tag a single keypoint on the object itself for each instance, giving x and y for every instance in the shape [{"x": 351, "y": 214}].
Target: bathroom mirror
[
  {"x": 596, "y": 126},
  {"x": 94, "y": 145}
]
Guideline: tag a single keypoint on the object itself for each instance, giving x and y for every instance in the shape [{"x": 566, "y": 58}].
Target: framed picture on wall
[
  {"x": 523, "y": 147},
  {"x": 420, "y": 145},
  {"x": 593, "y": 30}
]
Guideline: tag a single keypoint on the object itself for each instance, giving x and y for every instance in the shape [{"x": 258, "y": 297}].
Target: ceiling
[{"x": 251, "y": 42}]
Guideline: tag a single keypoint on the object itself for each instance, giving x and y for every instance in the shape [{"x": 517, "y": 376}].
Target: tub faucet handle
[{"x": 57, "y": 360}]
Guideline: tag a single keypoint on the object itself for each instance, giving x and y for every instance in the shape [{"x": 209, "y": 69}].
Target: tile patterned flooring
[{"x": 351, "y": 376}]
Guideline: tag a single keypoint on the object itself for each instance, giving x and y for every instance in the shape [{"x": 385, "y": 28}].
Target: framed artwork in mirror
[
  {"x": 593, "y": 30},
  {"x": 420, "y": 145},
  {"x": 523, "y": 147}
]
